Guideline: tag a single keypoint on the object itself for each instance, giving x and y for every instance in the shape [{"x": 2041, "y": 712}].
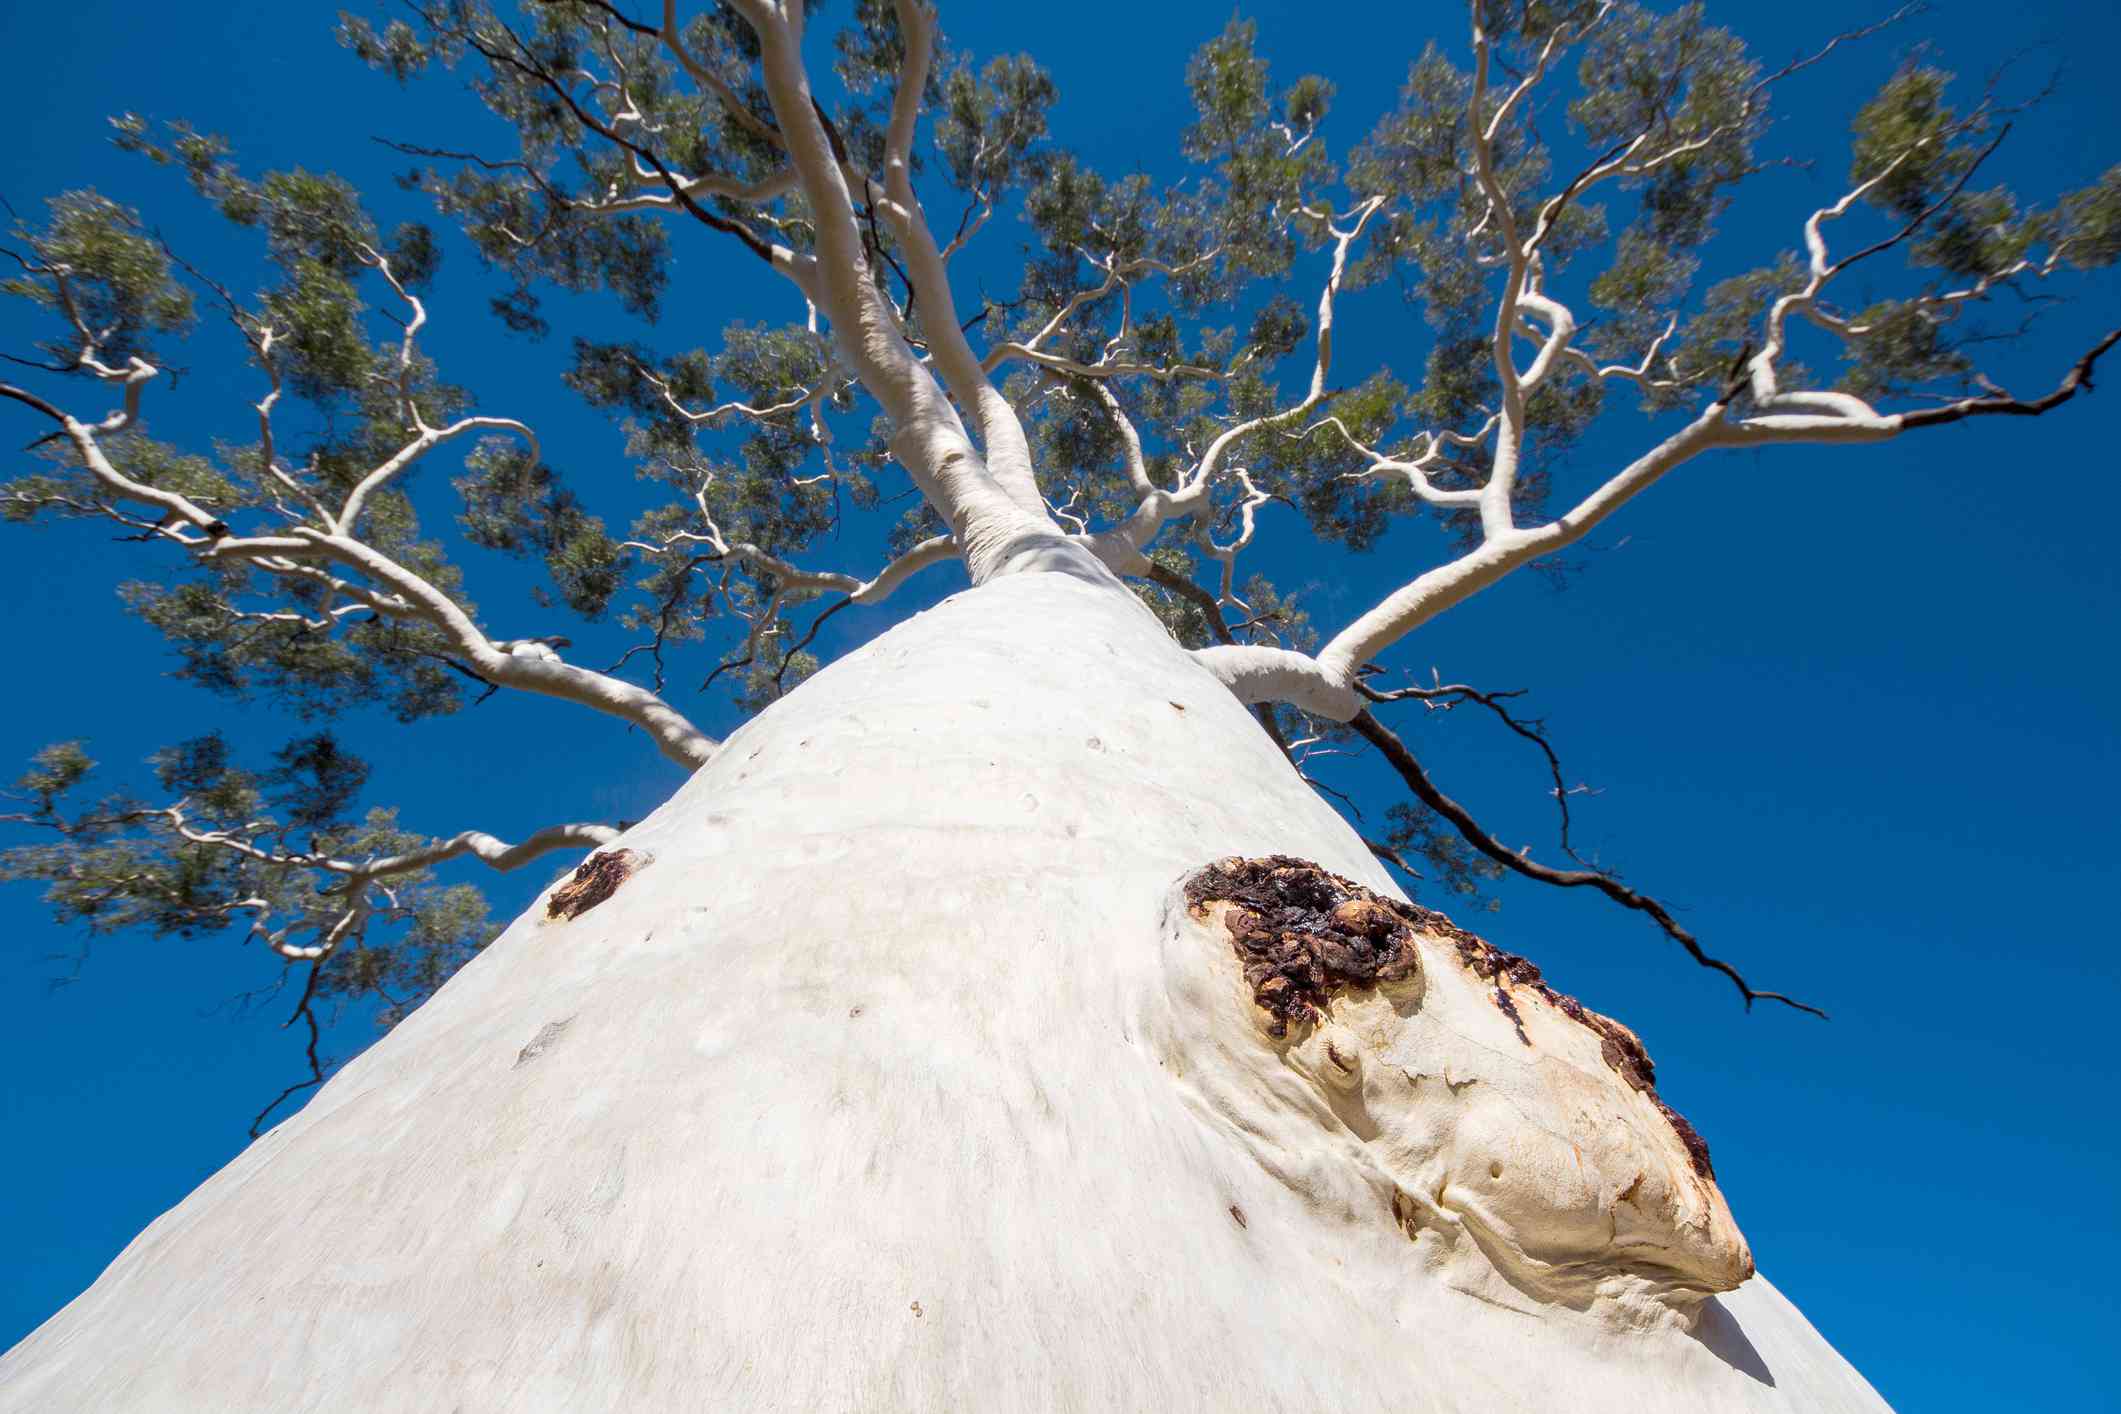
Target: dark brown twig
[
  {"x": 1445, "y": 696},
  {"x": 2078, "y": 379},
  {"x": 305, "y": 1012},
  {"x": 1410, "y": 770}
]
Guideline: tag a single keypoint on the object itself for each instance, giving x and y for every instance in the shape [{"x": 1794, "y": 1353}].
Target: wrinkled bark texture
[{"x": 900, "y": 1072}]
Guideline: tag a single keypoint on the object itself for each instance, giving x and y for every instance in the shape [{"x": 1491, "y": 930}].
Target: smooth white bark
[{"x": 898, "y": 1077}]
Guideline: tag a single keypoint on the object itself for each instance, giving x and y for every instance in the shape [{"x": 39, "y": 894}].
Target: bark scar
[
  {"x": 597, "y": 879},
  {"x": 1303, "y": 935}
]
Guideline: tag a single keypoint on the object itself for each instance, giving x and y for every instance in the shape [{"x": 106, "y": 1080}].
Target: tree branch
[
  {"x": 1417, "y": 779},
  {"x": 2078, "y": 379},
  {"x": 304, "y": 1012},
  {"x": 1445, "y": 696}
]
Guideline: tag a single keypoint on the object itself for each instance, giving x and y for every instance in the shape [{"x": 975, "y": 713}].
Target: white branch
[
  {"x": 428, "y": 439},
  {"x": 484, "y": 847},
  {"x": 1415, "y": 472},
  {"x": 1008, "y": 452},
  {"x": 678, "y": 738},
  {"x": 1260, "y": 674},
  {"x": 494, "y": 853},
  {"x": 1121, "y": 546},
  {"x": 933, "y": 550},
  {"x": 995, "y": 528}
]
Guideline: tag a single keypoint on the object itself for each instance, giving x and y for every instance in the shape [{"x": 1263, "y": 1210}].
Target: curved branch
[
  {"x": 1255, "y": 673},
  {"x": 494, "y": 853},
  {"x": 428, "y": 439},
  {"x": 1008, "y": 451},
  {"x": 541, "y": 673},
  {"x": 1499, "y": 554}
]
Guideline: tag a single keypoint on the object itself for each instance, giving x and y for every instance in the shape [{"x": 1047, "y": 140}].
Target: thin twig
[{"x": 1410, "y": 770}]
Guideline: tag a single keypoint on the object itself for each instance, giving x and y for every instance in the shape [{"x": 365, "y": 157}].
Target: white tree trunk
[{"x": 901, "y": 1076}]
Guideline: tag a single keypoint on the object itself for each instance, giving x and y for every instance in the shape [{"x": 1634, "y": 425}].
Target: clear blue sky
[{"x": 1864, "y": 732}]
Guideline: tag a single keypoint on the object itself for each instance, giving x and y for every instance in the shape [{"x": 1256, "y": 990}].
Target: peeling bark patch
[
  {"x": 542, "y": 1042},
  {"x": 597, "y": 879},
  {"x": 1303, "y": 935},
  {"x": 1622, "y": 1048}
]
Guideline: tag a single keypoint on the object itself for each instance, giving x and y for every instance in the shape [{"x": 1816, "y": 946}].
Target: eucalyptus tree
[{"x": 999, "y": 1017}]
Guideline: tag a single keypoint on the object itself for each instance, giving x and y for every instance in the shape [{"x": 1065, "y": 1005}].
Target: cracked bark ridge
[
  {"x": 1304, "y": 935},
  {"x": 597, "y": 879}
]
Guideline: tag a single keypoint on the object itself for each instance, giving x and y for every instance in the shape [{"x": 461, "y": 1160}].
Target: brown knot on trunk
[
  {"x": 597, "y": 879},
  {"x": 1304, "y": 935}
]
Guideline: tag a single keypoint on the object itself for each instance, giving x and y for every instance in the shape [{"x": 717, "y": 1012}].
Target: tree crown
[{"x": 1148, "y": 390}]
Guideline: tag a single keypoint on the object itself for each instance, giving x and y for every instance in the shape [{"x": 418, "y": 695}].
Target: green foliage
[
  {"x": 1903, "y": 347},
  {"x": 1904, "y": 137},
  {"x": 226, "y": 848},
  {"x": 1265, "y": 171},
  {"x": 1417, "y": 152},
  {"x": 1278, "y": 329},
  {"x": 1453, "y": 869},
  {"x": 396, "y": 48},
  {"x": 54, "y": 770},
  {"x": 515, "y": 504},
  {"x": 313, "y": 781},
  {"x": 327, "y": 351},
  {"x": 1690, "y": 84},
  {"x": 2090, "y": 223},
  {"x": 98, "y": 268},
  {"x": 992, "y": 125},
  {"x": 1637, "y": 292},
  {"x": 200, "y": 771},
  {"x": 294, "y": 661},
  {"x": 1318, "y": 472}
]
